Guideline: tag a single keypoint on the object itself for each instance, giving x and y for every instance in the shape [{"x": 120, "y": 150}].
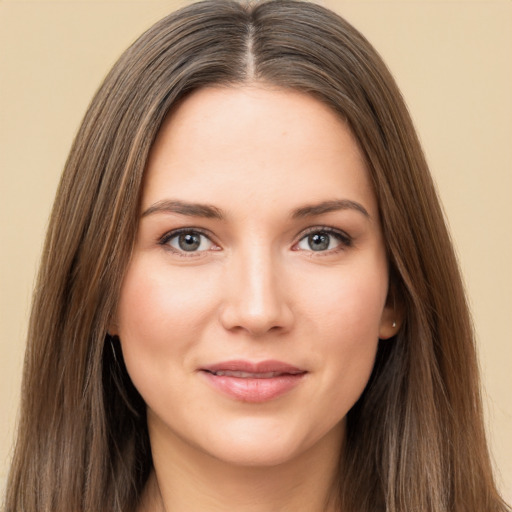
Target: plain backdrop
[{"x": 452, "y": 60}]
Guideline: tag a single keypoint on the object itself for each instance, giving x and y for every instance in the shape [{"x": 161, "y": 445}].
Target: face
[{"x": 251, "y": 309}]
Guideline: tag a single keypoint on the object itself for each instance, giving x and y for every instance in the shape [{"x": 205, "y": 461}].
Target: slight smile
[{"x": 253, "y": 382}]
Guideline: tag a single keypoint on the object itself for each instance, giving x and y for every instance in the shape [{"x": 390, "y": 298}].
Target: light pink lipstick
[{"x": 253, "y": 382}]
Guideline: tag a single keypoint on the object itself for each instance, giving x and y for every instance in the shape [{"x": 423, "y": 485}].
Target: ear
[{"x": 392, "y": 317}]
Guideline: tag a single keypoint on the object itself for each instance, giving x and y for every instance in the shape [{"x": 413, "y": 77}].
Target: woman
[{"x": 248, "y": 298}]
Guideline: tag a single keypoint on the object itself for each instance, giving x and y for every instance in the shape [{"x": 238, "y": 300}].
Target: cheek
[
  {"x": 345, "y": 311},
  {"x": 157, "y": 303},
  {"x": 161, "y": 315},
  {"x": 348, "y": 303}
]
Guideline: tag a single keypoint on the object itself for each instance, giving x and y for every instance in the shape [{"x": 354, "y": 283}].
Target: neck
[{"x": 185, "y": 481}]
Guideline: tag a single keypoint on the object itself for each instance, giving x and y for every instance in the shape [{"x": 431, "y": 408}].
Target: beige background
[{"x": 453, "y": 61}]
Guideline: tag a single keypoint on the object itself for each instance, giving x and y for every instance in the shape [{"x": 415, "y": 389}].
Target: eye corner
[
  {"x": 188, "y": 242},
  {"x": 328, "y": 240}
]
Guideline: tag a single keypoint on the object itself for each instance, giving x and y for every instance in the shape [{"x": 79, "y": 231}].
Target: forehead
[{"x": 258, "y": 145}]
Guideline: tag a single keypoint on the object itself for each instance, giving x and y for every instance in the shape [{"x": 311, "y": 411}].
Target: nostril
[
  {"x": 256, "y": 300},
  {"x": 235, "y": 318}
]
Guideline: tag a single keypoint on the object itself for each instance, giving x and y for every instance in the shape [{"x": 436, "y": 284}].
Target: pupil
[
  {"x": 319, "y": 241},
  {"x": 189, "y": 242}
]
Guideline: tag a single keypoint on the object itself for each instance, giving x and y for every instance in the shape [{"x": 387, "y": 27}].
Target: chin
[
  {"x": 267, "y": 445},
  {"x": 256, "y": 455}
]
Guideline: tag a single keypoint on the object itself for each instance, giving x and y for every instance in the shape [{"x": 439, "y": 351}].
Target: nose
[{"x": 255, "y": 295}]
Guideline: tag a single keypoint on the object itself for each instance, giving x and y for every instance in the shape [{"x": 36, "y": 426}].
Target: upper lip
[{"x": 261, "y": 368}]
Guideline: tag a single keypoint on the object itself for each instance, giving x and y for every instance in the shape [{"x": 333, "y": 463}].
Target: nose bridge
[
  {"x": 258, "y": 274},
  {"x": 256, "y": 300}
]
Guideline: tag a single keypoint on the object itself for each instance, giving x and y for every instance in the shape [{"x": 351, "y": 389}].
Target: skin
[{"x": 253, "y": 290}]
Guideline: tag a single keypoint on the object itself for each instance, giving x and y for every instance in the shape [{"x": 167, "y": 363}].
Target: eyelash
[
  {"x": 165, "y": 239},
  {"x": 342, "y": 237},
  {"x": 345, "y": 240}
]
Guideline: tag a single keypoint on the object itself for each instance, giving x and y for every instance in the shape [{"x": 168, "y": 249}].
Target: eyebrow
[
  {"x": 212, "y": 212},
  {"x": 329, "y": 206},
  {"x": 184, "y": 208}
]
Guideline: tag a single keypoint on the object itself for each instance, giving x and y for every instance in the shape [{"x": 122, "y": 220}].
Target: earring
[{"x": 394, "y": 324}]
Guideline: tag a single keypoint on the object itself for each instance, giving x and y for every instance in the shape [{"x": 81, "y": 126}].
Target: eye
[
  {"x": 323, "y": 240},
  {"x": 188, "y": 241}
]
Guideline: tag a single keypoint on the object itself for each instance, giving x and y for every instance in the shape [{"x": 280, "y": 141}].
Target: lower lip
[{"x": 253, "y": 389}]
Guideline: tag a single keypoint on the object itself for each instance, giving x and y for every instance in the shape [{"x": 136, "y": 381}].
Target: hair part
[{"x": 82, "y": 440}]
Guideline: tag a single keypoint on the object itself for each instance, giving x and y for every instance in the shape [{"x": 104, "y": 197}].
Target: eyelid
[
  {"x": 345, "y": 239},
  {"x": 166, "y": 237}
]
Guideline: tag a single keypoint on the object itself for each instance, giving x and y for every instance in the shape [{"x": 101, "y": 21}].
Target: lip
[{"x": 253, "y": 382}]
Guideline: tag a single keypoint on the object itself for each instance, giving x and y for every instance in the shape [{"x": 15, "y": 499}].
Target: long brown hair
[{"x": 415, "y": 438}]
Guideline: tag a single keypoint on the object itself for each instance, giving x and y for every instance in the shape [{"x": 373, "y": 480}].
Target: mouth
[
  {"x": 253, "y": 382},
  {"x": 250, "y": 375}
]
